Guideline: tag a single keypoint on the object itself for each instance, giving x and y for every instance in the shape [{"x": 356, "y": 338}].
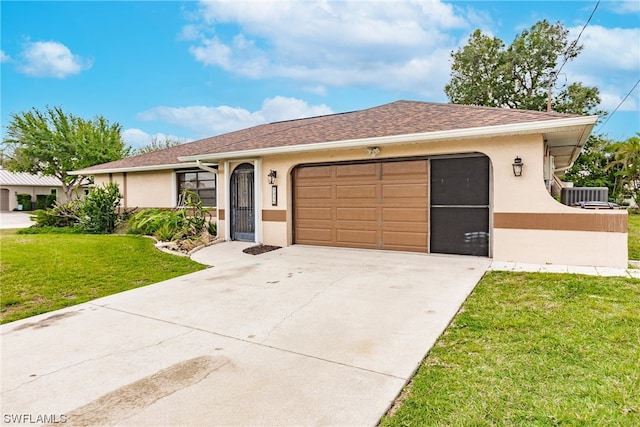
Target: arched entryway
[{"x": 243, "y": 224}]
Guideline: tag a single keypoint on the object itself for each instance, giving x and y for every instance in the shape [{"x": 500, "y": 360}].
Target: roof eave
[
  {"x": 540, "y": 127},
  {"x": 150, "y": 168}
]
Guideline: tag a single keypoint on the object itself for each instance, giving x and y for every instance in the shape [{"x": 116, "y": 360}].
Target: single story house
[
  {"x": 13, "y": 183},
  {"x": 407, "y": 176}
]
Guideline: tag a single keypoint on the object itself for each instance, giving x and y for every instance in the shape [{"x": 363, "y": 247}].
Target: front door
[{"x": 242, "y": 204}]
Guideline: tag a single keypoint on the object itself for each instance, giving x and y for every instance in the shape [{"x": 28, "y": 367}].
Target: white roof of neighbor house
[{"x": 27, "y": 179}]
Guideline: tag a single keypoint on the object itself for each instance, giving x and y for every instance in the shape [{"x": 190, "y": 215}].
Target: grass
[
  {"x": 532, "y": 349},
  {"x": 45, "y": 272},
  {"x": 634, "y": 237}
]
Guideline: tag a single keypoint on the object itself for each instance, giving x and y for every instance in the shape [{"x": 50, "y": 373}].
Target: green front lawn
[
  {"x": 45, "y": 272},
  {"x": 533, "y": 349},
  {"x": 634, "y": 237}
]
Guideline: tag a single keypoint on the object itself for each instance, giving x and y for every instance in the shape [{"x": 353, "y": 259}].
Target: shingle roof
[
  {"x": 397, "y": 118},
  {"x": 27, "y": 179}
]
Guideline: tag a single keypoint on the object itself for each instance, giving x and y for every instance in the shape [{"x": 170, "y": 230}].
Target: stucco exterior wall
[
  {"x": 156, "y": 189},
  {"x": 527, "y": 225},
  {"x": 525, "y": 240},
  {"x": 33, "y": 191}
]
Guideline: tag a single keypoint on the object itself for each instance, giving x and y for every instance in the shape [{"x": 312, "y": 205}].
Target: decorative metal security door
[{"x": 242, "y": 203}]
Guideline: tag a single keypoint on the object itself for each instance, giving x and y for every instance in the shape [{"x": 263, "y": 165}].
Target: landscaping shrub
[
  {"x": 99, "y": 211},
  {"x": 150, "y": 221},
  {"x": 166, "y": 232},
  {"x": 212, "y": 228},
  {"x": 62, "y": 215},
  {"x": 187, "y": 221},
  {"x": 44, "y": 201},
  {"x": 25, "y": 201}
]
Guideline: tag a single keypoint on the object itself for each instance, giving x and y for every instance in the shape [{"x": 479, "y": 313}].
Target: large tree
[
  {"x": 53, "y": 142},
  {"x": 626, "y": 158},
  {"x": 156, "y": 144},
  {"x": 487, "y": 72}
]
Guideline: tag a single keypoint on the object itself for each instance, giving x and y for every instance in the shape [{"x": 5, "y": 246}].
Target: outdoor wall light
[
  {"x": 373, "y": 151},
  {"x": 272, "y": 176},
  {"x": 517, "y": 166}
]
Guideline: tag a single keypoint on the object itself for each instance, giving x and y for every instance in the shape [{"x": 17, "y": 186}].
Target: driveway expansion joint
[
  {"x": 297, "y": 310},
  {"x": 261, "y": 344},
  {"x": 93, "y": 359}
]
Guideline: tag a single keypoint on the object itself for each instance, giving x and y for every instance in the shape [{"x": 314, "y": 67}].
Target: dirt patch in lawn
[{"x": 260, "y": 249}]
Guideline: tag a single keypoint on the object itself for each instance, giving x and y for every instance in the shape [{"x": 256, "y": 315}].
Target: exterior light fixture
[
  {"x": 517, "y": 166},
  {"x": 272, "y": 176},
  {"x": 373, "y": 151}
]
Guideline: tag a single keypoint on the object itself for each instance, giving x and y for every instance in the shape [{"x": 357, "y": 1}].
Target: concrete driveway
[
  {"x": 15, "y": 220},
  {"x": 298, "y": 336}
]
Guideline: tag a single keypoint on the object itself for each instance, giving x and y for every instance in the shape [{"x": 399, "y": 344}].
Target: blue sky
[{"x": 189, "y": 69}]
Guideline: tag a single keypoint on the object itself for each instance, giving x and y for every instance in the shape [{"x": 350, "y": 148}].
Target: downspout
[
  {"x": 208, "y": 168},
  {"x": 257, "y": 185}
]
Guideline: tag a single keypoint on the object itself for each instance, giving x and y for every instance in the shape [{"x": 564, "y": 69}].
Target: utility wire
[
  {"x": 621, "y": 102},
  {"x": 554, "y": 74},
  {"x": 575, "y": 42}
]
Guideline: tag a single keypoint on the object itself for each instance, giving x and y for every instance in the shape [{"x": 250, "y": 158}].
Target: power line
[
  {"x": 621, "y": 102},
  {"x": 575, "y": 42},
  {"x": 554, "y": 74}
]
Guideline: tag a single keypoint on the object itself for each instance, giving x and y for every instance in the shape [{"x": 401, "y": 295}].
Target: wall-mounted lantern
[
  {"x": 272, "y": 175},
  {"x": 373, "y": 151},
  {"x": 517, "y": 166}
]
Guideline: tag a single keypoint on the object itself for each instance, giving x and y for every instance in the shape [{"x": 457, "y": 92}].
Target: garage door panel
[
  {"x": 366, "y": 191},
  {"x": 357, "y": 214},
  {"x": 405, "y": 239},
  {"x": 314, "y": 192},
  {"x": 404, "y": 169},
  {"x": 405, "y": 191},
  {"x": 359, "y": 238},
  {"x": 314, "y": 213},
  {"x": 316, "y": 172},
  {"x": 314, "y": 235},
  {"x": 363, "y": 170},
  {"x": 404, "y": 215}
]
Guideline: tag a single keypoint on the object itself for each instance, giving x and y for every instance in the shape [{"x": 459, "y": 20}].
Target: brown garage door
[
  {"x": 374, "y": 205},
  {"x": 4, "y": 199}
]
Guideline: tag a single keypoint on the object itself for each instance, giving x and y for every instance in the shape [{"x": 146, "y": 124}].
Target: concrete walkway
[
  {"x": 571, "y": 269},
  {"x": 297, "y": 336}
]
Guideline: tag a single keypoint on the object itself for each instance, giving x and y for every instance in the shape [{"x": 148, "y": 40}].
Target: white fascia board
[
  {"x": 140, "y": 168},
  {"x": 546, "y": 126}
]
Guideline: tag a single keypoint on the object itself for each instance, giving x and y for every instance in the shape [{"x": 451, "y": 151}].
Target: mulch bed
[{"x": 260, "y": 249}]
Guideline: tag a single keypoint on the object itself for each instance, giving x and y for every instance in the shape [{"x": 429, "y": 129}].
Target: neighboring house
[
  {"x": 13, "y": 183},
  {"x": 408, "y": 176}
]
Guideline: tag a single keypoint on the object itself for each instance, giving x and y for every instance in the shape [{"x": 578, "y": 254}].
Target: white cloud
[
  {"x": 610, "y": 60},
  {"x": 207, "y": 121},
  {"x": 623, "y": 7},
  {"x": 51, "y": 59},
  {"x": 137, "y": 138},
  {"x": 331, "y": 43},
  {"x": 4, "y": 57}
]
